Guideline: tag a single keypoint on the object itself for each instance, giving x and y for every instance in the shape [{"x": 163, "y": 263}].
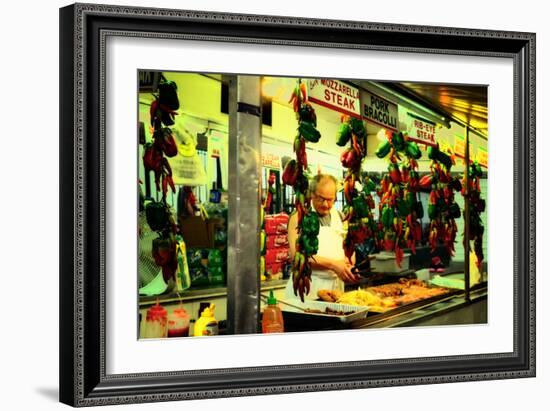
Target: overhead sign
[
  {"x": 271, "y": 161},
  {"x": 460, "y": 147},
  {"x": 482, "y": 157},
  {"x": 148, "y": 81},
  {"x": 378, "y": 110},
  {"x": 422, "y": 131},
  {"x": 335, "y": 95}
]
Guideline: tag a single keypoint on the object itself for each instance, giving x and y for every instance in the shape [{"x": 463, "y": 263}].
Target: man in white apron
[{"x": 330, "y": 268}]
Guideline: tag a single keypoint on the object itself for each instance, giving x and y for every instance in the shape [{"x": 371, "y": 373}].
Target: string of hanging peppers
[
  {"x": 399, "y": 208},
  {"x": 155, "y": 159},
  {"x": 358, "y": 197},
  {"x": 477, "y": 206},
  {"x": 295, "y": 174},
  {"x": 442, "y": 208}
]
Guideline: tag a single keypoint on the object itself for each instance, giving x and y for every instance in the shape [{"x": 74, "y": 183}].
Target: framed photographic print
[{"x": 246, "y": 197}]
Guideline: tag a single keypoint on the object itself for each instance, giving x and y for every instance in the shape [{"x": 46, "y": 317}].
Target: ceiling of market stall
[{"x": 465, "y": 103}]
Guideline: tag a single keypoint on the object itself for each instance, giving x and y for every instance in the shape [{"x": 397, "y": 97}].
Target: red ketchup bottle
[{"x": 272, "y": 318}]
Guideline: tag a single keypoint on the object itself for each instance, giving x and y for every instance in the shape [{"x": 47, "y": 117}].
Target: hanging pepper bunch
[
  {"x": 477, "y": 206},
  {"x": 160, "y": 219},
  {"x": 442, "y": 208},
  {"x": 162, "y": 112},
  {"x": 399, "y": 208},
  {"x": 359, "y": 202},
  {"x": 295, "y": 175},
  {"x": 158, "y": 213}
]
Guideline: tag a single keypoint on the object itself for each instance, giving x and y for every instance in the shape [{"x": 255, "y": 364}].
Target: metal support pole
[
  {"x": 467, "y": 218},
  {"x": 243, "y": 257}
]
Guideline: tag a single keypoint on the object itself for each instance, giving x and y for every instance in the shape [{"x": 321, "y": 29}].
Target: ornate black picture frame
[{"x": 83, "y": 30}]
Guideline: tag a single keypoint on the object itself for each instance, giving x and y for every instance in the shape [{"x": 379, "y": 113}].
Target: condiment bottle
[
  {"x": 183, "y": 279},
  {"x": 178, "y": 323},
  {"x": 272, "y": 318},
  {"x": 207, "y": 323},
  {"x": 215, "y": 194},
  {"x": 156, "y": 322}
]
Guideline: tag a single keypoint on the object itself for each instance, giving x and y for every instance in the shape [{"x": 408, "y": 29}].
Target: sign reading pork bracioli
[
  {"x": 336, "y": 95},
  {"x": 378, "y": 110}
]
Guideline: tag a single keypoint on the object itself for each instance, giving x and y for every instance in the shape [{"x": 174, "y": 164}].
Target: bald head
[{"x": 323, "y": 188}]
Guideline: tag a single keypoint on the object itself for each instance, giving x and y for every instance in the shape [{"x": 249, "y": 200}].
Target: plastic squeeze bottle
[
  {"x": 183, "y": 279},
  {"x": 178, "y": 323},
  {"x": 156, "y": 322},
  {"x": 272, "y": 318},
  {"x": 207, "y": 323}
]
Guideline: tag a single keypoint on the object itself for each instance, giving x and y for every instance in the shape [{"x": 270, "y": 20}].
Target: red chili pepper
[
  {"x": 164, "y": 186},
  {"x": 292, "y": 97},
  {"x": 398, "y": 255},
  {"x": 303, "y": 91},
  {"x": 395, "y": 175},
  {"x": 171, "y": 183},
  {"x": 152, "y": 158},
  {"x": 157, "y": 179},
  {"x": 169, "y": 146}
]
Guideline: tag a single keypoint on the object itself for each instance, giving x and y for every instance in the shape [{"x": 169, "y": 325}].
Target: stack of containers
[{"x": 276, "y": 245}]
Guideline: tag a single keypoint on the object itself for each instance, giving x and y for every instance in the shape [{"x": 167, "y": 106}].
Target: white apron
[{"x": 330, "y": 246}]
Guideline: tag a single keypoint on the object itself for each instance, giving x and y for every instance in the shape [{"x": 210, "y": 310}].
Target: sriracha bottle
[{"x": 272, "y": 318}]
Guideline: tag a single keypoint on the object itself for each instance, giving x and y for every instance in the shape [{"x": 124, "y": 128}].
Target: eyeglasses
[{"x": 322, "y": 199}]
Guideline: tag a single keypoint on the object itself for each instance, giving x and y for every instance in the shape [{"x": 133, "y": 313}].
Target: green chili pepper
[
  {"x": 409, "y": 198},
  {"x": 307, "y": 113},
  {"x": 360, "y": 207},
  {"x": 157, "y": 215},
  {"x": 403, "y": 208},
  {"x": 412, "y": 150},
  {"x": 454, "y": 210},
  {"x": 309, "y": 132},
  {"x": 310, "y": 245},
  {"x": 344, "y": 134},
  {"x": 398, "y": 141},
  {"x": 387, "y": 216},
  {"x": 383, "y": 149},
  {"x": 444, "y": 159},
  {"x": 432, "y": 211},
  {"x": 419, "y": 210},
  {"x": 357, "y": 127},
  {"x": 432, "y": 152},
  {"x": 311, "y": 225}
]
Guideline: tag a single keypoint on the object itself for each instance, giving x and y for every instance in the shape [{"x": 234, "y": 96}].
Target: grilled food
[{"x": 384, "y": 297}]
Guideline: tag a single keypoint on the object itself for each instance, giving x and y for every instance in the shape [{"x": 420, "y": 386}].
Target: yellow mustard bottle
[{"x": 207, "y": 323}]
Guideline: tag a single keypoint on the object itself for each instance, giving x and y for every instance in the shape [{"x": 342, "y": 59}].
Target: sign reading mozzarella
[
  {"x": 422, "y": 132},
  {"x": 335, "y": 95},
  {"x": 379, "y": 110}
]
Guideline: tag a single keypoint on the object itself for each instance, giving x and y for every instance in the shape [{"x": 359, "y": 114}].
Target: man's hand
[{"x": 342, "y": 268}]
